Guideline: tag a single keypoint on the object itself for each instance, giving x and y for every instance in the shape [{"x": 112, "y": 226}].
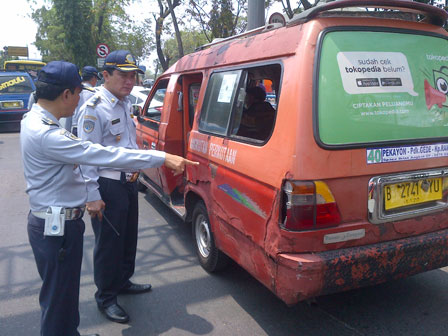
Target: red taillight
[{"x": 309, "y": 205}]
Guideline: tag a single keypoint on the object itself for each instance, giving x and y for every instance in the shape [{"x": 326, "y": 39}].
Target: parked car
[
  {"x": 349, "y": 187},
  {"x": 138, "y": 95},
  {"x": 15, "y": 91},
  {"x": 148, "y": 83}
]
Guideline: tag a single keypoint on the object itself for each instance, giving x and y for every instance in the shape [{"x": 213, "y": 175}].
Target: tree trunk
[
  {"x": 159, "y": 26},
  {"x": 180, "y": 46}
]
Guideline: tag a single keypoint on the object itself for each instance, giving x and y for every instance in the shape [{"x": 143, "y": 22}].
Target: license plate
[
  {"x": 12, "y": 104},
  {"x": 412, "y": 193}
]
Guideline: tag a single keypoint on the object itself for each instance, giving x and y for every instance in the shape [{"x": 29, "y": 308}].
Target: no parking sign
[{"x": 102, "y": 50}]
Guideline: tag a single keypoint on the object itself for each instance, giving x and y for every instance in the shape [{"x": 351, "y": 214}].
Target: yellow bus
[{"x": 32, "y": 67}]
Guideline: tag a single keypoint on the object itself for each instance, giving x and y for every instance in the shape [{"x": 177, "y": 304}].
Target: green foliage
[
  {"x": 70, "y": 30},
  {"x": 222, "y": 18},
  {"x": 191, "y": 40}
]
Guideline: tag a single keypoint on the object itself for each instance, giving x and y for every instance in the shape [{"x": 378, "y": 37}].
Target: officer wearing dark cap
[
  {"x": 106, "y": 120},
  {"x": 57, "y": 191},
  {"x": 90, "y": 78}
]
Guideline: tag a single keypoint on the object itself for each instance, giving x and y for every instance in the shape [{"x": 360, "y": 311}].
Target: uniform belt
[
  {"x": 119, "y": 176},
  {"x": 70, "y": 213},
  {"x": 111, "y": 174}
]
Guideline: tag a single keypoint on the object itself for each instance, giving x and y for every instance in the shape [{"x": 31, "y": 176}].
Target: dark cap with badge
[
  {"x": 90, "y": 71},
  {"x": 121, "y": 60},
  {"x": 60, "y": 73}
]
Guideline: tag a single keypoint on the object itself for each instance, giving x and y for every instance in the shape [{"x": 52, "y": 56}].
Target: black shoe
[
  {"x": 115, "y": 313},
  {"x": 136, "y": 289}
]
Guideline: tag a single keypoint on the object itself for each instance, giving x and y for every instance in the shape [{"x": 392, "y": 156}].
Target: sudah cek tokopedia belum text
[{"x": 374, "y": 68}]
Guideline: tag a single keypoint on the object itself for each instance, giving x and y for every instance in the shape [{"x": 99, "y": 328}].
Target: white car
[{"x": 138, "y": 95}]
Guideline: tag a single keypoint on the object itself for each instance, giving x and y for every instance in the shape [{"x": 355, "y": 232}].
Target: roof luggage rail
[
  {"x": 255, "y": 31},
  {"x": 433, "y": 15}
]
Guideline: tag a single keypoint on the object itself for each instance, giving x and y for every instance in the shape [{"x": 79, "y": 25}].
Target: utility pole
[{"x": 255, "y": 14}]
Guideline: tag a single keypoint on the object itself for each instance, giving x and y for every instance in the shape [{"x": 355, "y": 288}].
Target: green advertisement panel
[{"x": 382, "y": 86}]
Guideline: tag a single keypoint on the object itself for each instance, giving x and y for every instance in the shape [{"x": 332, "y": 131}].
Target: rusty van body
[{"x": 350, "y": 186}]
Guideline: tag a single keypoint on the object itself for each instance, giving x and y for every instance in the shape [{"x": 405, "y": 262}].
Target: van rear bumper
[{"x": 302, "y": 276}]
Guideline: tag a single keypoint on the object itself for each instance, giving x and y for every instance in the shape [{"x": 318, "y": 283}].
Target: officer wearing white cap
[
  {"x": 57, "y": 191},
  {"x": 106, "y": 120},
  {"x": 90, "y": 77}
]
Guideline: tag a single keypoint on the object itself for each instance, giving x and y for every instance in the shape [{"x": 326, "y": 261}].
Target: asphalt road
[{"x": 188, "y": 301}]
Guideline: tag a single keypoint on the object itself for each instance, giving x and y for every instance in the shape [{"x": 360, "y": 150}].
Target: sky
[{"x": 20, "y": 30}]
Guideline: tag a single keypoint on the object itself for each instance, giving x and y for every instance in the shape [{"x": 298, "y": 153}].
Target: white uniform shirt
[
  {"x": 105, "y": 120},
  {"x": 84, "y": 96},
  {"x": 51, "y": 156}
]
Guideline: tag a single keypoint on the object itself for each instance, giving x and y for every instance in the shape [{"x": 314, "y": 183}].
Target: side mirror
[{"x": 136, "y": 110}]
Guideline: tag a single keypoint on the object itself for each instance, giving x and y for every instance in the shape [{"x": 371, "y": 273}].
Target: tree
[
  {"x": 164, "y": 11},
  {"x": 223, "y": 19},
  {"x": 70, "y": 30},
  {"x": 191, "y": 40},
  {"x": 76, "y": 20}
]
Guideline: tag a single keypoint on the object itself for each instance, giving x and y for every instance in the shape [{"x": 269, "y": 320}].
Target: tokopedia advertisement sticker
[
  {"x": 378, "y": 86},
  {"x": 375, "y": 72}
]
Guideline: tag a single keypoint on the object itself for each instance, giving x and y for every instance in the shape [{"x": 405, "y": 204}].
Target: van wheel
[
  {"x": 210, "y": 258},
  {"x": 140, "y": 186}
]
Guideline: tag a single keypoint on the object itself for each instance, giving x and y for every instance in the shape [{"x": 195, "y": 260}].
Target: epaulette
[
  {"x": 69, "y": 135},
  {"x": 88, "y": 88},
  {"x": 49, "y": 122},
  {"x": 94, "y": 101}
]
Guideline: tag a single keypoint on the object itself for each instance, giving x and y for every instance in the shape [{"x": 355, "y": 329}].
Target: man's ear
[
  {"x": 66, "y": 94},
  {"x": 106, "y": 75}
]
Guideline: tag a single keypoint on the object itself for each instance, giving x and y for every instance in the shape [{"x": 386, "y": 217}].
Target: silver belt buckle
[{"x": 74, "y": 213}]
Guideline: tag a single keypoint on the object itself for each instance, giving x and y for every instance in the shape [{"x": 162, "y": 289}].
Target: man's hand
[
  {"x": 177, "y": 163},
  {"x": 94, "y": 209}
]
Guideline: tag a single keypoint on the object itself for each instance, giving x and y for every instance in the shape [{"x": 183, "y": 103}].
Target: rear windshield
[
  {"x": 378, "y": 86},
  {"x": 15, "y": 84}
]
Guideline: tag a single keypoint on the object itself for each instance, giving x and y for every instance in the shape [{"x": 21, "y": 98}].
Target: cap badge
[{"x": 130, "y": 59}]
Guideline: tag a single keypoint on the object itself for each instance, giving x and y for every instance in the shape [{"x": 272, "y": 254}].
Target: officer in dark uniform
[
  {"x": 106, "y": 120},
  {"x": 57, "y": 191}
]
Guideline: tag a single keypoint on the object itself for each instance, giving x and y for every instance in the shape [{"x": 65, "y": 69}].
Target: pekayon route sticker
[{"x": 406, "y": 153}]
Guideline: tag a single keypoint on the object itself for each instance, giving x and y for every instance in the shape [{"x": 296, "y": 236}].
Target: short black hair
[
  {"x": 110, "y": 71},
  {"x": 87, "y": 77},
  {"x": 257, "y": 92},
  {"x": 50, "y": 91}
]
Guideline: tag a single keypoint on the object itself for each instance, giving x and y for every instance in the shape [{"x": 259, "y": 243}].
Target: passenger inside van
[{"x": 258, "y": 115}]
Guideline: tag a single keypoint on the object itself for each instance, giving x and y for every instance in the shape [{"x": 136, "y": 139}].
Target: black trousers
[
  {"x": 114, "y": 255},
  {"x": 58, "y": 261}
]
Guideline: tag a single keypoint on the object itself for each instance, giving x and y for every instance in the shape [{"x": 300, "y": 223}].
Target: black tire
[{"x": 210, "y": 258}]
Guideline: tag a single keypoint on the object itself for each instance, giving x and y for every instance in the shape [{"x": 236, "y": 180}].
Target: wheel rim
[{"x": 203, "y": 239}]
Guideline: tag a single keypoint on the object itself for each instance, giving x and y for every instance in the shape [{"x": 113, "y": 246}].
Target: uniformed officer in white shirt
[
  {"x": 57, "y": 191},
  {"x": 90, "y": 78},
  {"x": 106, "y": 120}
]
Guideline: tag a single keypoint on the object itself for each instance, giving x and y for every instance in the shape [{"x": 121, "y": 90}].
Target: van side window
[
  {"x": 155, "y": 105},
  {"x": 242, "y": 104},
  {"x": 218, "y": 101},
  {"x": 193, "y": 92}
]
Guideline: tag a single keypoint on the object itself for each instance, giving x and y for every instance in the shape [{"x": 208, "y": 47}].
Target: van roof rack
[
  {"x": 255, "y": 31},
  {"x": 433, "y": 14}
]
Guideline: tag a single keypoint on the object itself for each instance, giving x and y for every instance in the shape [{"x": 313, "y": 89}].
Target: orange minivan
[{"x": 340, "y": 178}]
